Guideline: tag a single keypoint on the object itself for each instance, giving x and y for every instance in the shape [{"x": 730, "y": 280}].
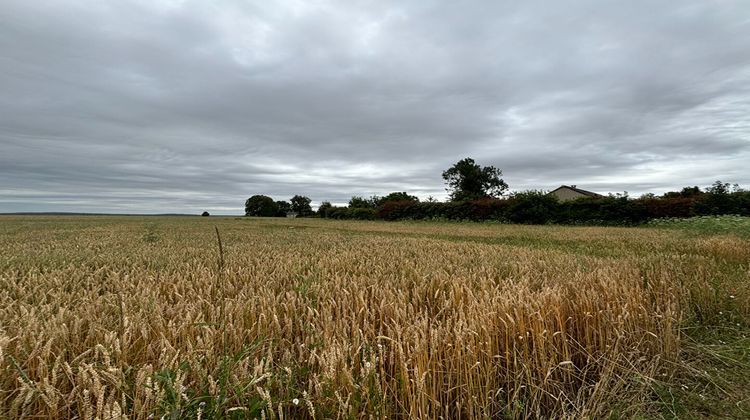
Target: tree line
[
  {"x": 265, "y": 206},
  {"x": 478, "y": 193}
]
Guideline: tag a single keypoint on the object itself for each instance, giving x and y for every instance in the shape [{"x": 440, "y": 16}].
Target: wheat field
[{"x": 150, "y": 317}]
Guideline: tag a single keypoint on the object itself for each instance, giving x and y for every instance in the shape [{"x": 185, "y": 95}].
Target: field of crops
[{"x": 140, "y": 317}]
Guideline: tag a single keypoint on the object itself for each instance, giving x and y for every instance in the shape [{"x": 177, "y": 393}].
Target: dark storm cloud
[{"x": 180, "y": 106}]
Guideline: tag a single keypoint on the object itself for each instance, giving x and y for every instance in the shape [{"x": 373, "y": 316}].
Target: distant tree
[
  {"x": 261, "y": 205},
  {"x": 301, "y": 205},
  {"x": 283, "y": 208},
  {"x": 397, "y": 196},
  {"x": 719, "y": 188},
  {"x": 205, "y": 214},
  {"x": 690, "y": 191},
  {"x": 469, "y": 181},
  {"x": 358, "y": 202},
  {"x": 324, "y": 208},
  {"x": 431, "y": 199}
]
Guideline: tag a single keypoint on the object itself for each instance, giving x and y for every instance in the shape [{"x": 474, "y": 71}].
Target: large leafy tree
[
  {"x": 261, "y": 205},
  {"x": 467, "y": 180},
  {"x": 283, "y": 208},
  {"x": 301, "y": 205}
]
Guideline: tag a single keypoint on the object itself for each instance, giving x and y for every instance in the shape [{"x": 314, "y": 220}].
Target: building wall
[{"x": 565, "y": 194}]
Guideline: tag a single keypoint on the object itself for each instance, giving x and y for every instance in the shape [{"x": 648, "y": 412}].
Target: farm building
[{"x": 570, "y": 192}]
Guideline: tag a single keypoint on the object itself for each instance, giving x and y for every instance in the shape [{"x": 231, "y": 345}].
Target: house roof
[{"x": 578, "y": 190}]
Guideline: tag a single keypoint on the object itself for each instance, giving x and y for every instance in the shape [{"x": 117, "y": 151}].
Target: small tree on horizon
[
  {"x": 397, "y": 196},
  {"x": 324, "y": 208},
  {"x": 469, "y": 181},
  {"x": 261, "y": 205},
  {"x": 301, "y": 205}
]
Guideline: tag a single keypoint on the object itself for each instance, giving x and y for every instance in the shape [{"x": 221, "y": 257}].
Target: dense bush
[
  {"x": 361, "y": 214},
  {"x": 533, "y": 207},
  {"x": 476, "y": 210},
  {"x": 657, "y": 208},
  {"x": 722, "y": 202},
  {"x": 611, "y": 210},
  {"x": 356, "y": 213},
  {"x": 334, "y": 212}
]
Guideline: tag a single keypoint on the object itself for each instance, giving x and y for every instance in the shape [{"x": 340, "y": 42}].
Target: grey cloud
[{"x": 180, "y": 106}]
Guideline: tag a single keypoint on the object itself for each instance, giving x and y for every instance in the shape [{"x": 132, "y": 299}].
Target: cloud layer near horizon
[{"x": 184, "y": 106}]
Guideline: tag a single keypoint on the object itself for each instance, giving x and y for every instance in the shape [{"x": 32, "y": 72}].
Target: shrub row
[
  {"x": 355, "y": 213},
  {"x": 534, "y": 207}
]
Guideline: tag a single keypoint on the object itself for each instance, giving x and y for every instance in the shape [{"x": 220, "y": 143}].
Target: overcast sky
[{"x": 184, "y": 106}]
